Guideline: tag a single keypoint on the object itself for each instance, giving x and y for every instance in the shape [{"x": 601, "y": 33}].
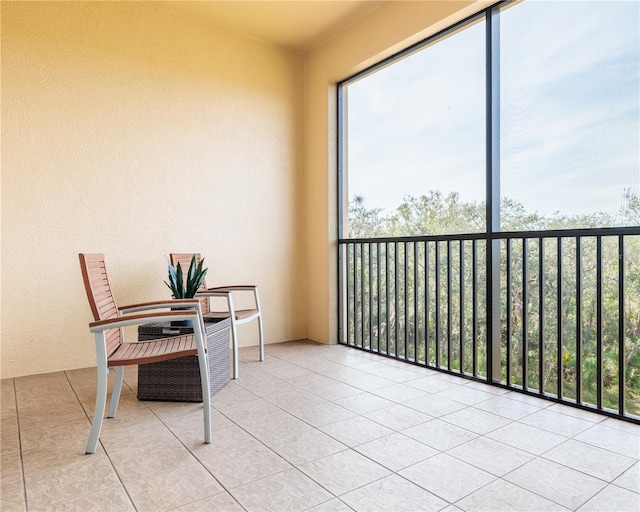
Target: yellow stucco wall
[
  {"x": 136, "y": 132},
  {"x": 391, "y": 28}
]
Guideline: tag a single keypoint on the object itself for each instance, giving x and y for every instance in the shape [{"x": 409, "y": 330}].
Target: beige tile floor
[{"x": 314, "y": 428}]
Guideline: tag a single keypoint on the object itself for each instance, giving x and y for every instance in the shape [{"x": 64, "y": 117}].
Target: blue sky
[{"x": 570, "y": 112}]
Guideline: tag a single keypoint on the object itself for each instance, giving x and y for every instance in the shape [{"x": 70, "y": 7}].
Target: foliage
[
  {"x": 185, "y": 287},
  {"x": 437, "y": 214},
  {"x": 414, "y": 299},
  {"x": 364, "y": 222}
]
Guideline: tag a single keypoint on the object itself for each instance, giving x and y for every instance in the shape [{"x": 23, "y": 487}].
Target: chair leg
[
  {"x": 261, "y": 338},
  {"x": 257, "y": 299},
  {"x": 203, "y": 363},
  {"x": 115, "y": 394},
  {"x": 98, "y": 414},
  {"x": 234, "y": 340}
]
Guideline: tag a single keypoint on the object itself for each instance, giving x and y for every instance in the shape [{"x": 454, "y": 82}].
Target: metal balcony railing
[{"x": 550, "y": 313}]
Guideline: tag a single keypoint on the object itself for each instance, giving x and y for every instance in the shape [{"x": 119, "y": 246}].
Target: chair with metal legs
[
  {"x": 238, "y": 316},
  {"x": 114, "y": 352}
]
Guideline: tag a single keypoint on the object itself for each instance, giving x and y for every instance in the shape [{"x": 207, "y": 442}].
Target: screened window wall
[{"x": 489, "y": 203}]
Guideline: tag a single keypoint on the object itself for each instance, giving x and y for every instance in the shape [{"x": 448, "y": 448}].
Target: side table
[{"x": 178, "y": 380}]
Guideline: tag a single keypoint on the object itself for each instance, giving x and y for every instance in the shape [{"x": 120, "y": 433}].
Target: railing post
[
  {"x": 599, "y": 324},
  {"x": 509, "y": 308},
  {"x": 493, "y": 193},
  {"x": 621, "y": 327},
  {"x": 449, "y": 304},
  {"x": 579, "y": 319},
  {"x": 525, "y": 314},
  {"x": 343, "y": 252},
  {"x": 560, "y": 324},
  {"x": 378, "y": 296},
  {"x": 474, "y": 308},
  {"x": 541, "y": 332},
  {"x": 462, "y": 304},
  {"x": 427, "y": 302},
  {"x": 343, "y": 293}
]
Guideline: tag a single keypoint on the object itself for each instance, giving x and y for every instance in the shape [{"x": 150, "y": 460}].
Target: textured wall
[{"x": 136, "y": 132}]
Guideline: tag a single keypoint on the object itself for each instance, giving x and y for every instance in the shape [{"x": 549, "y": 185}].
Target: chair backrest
[
  {"x": 103, "y": 305},
  {"x": 185, "y": 260}
]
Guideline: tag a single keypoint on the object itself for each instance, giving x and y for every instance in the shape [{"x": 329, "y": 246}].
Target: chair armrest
[
  {"x": 213, "y": 293},
  {"x": 115, "y": 323},
  {"x": 233, "y": 287},
  {"x": 168, "y": 303}
]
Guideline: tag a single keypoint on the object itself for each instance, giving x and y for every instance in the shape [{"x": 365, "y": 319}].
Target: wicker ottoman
[{"x": 178, "y": 380}]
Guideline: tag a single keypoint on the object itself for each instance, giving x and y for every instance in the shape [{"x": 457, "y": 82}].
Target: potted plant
[
  {"x": 178, "y": 380},
  {"x": 185, "y": 287}
]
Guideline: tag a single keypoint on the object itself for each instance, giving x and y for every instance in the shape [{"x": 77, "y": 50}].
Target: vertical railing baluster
[
  {"x": 474, "y": 310},
  {"x": 356, "y": 296},
  {"x": 416, "y": 289},
  {"x": 426, "y": 303},
  {"x": 579, "y": 319},
  {"x": 437, "y": 283},
  {"x": 621, "y": 327},
  {"x": 461, "y": 306},
  {"x": 356, "y": 306},
  {"x": 599, "y": 321},
  {"x": 406, "y": 298},
  {"x": 525, "y": 315},
  {"x": 370, "y": 265},
  {"x": 509, "y": 326},
  {"x": 449, "y": 304},
  {"x": 560, "y": 323},
  {"x": 541, "y": 315},
  {"x": 349, "y": 318},
  {"x": 378, "y": 312},
  {"x": 395, "y": 297},
  {"x": 362, "y": 299},
  {"x": 387, "y": 295}
]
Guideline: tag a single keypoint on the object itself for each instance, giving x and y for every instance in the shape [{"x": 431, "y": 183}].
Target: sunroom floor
[{"x": 314, "y": 428}]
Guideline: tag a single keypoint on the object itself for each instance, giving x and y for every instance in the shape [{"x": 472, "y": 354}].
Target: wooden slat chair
[
  {"x": 238, "y": 316},
  {"x": 113, "y": 351}
]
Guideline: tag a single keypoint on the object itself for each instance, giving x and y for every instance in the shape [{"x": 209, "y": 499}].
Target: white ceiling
[{"x": 301, "y": 25}]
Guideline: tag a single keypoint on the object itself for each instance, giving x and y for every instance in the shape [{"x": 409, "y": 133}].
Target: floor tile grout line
[
  {"x": 267, "y": 397},
  {"x": 542, "y": 456},
  {"x": 24, "y": 478},
  {"x": 106, "y": 452},
  {"x": 480, "y": 435},
  {"x": 543, "y": 430},
  {"x": 554, "y": 501},
  {"x": 621, "y": 487},
  {"x": 348, "y": 448},
  {"x": 325, "y": 502},
  {"x": 293, "y": 466},
  {"x": 533, "y": 456},
  {"x": 194, "y": 456},
  {"x": 501, "y": 478},
  {"x": 230, "y": 491},
  {"x": 225, "y": 489}
]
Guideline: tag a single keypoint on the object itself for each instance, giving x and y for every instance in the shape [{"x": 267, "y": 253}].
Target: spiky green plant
[{"x": 182, "y": 288}]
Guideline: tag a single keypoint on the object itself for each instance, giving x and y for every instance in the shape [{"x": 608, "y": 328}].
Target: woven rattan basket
[{"x": 178, "y": 380}]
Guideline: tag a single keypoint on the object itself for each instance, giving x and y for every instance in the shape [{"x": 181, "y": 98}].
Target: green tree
[{"x": 394, "y": 291}]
